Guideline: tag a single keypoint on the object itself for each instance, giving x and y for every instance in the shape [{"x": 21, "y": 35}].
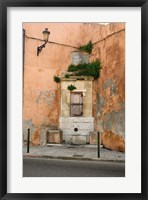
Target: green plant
[
  {"x": 71, "y": 87},
  {"x": 86, "y": 69},
  {"x": 87, "y": 48},
  {"x": 66, "y": 75},
  {"x": 57, "y": 79},
  {"x": 73, "y": 68}
]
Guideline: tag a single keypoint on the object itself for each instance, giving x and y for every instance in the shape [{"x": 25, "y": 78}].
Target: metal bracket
[{"x": 39, "y": 49}]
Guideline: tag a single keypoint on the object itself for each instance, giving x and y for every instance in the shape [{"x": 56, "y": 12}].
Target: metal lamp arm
[{"x": 39, "y": 49}]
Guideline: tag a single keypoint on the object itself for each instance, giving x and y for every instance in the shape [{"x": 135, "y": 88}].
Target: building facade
[{"x": 55, "y": 114}]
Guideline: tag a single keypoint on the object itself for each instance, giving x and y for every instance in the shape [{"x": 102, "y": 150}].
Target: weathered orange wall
[
  {"x": 42, "y": 94},
  {"x": 109, "y": 89}
]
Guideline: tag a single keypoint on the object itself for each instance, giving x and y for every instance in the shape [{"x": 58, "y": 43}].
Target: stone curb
[{"x": 73, "y": 158}]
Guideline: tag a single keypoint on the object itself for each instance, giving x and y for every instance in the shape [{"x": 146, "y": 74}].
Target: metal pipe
[
  {"x": 28, "y": 142},
  {"x": 98, "y": 145}
]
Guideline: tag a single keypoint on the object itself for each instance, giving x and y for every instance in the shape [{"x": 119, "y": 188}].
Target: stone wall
[{"x": 76, "y": 129}]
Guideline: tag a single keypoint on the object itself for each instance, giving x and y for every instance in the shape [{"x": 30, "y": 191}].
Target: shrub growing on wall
[
  {"x": 66, "y": 75},
  {"x": 86, "y": 69},
  {"x": 87, "y": 48},
  {"x": 57, "y": 79},
  {"x": 71, "y": 87}
]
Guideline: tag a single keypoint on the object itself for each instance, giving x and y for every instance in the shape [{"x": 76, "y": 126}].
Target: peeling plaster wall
[
  {"x": 42, "y": 95},
  {"x": 109, "y": 89}
]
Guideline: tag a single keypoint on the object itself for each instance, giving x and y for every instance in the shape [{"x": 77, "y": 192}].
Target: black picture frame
[{"x": 4, "y": 4}]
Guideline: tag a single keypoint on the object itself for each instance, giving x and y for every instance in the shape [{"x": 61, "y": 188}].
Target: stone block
[
  {"x": 67, "y": 139},
  {"x": 79, "y": 139},
  {"x": 78, "y": 57},
  {"x": 54, "y": 136},
  {"x": 76, "y": 130},
  {"x": 93, "y": 137},
  {"x": 76, "y": 139},
  {"x": 76, "y": 119},
  {"x": 79, "y": 132},
  {"x": 80, "y": 126}
]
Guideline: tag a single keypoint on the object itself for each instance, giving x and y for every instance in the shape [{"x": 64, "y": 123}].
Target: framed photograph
[{"x": 73, "y": 99}]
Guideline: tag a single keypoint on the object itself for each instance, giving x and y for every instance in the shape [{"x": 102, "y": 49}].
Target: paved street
[{"x": 42, "y": 167}]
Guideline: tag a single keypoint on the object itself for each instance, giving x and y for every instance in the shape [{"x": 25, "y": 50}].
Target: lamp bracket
[{"x": 39, "y": 49}]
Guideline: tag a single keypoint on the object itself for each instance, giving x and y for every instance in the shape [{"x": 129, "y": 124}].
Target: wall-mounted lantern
[{"x": 46, "y": 34}]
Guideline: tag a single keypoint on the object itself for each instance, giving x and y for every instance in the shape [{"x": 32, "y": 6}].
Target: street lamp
[{"x": 45, "y": 37}]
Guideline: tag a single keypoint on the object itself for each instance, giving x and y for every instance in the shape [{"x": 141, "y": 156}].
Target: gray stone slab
[{"x": 76, "y": 119}]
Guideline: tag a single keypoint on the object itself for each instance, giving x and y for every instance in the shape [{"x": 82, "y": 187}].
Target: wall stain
[
  {"x": 47, "y": 95},
  {"x": 28, "y": 124},
  {"x": 115, "y": 122},
  {"x": 107, "y": 84},
  {"x": 100, "y": 104}
]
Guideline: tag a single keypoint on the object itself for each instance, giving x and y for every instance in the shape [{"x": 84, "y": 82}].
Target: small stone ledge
[
  {"x": 77, "y": 139},
  {"x": 93, "y": 137},
  {"x": 54, "y": 136},
  {"x": 75, "y": 78}
]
